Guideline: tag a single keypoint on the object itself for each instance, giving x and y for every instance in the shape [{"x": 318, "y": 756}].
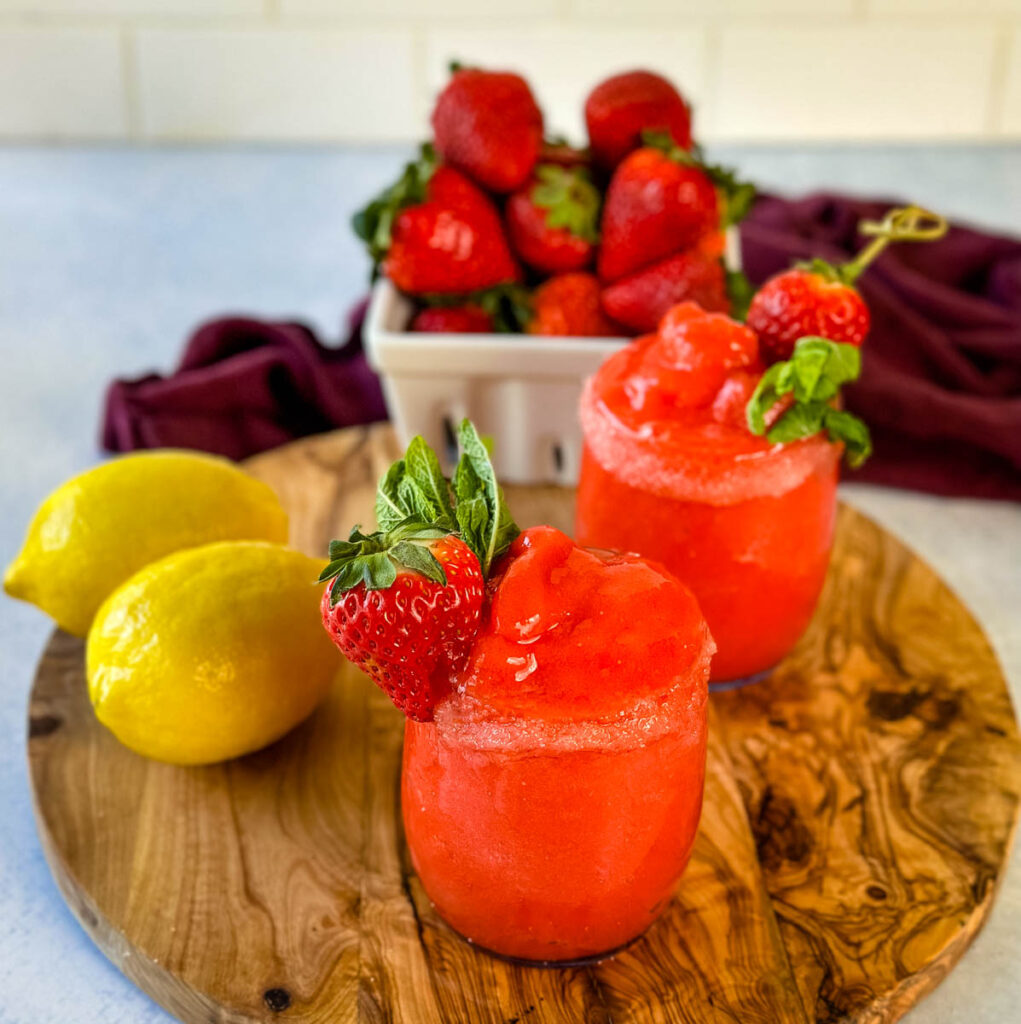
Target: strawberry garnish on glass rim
[
  {"x": 404, "y": 603},
  {"x": 820, "y": 298}
]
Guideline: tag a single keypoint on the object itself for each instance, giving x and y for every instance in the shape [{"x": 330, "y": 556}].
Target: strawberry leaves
[
  {"x": 569, "y": 198},
  {"x": 376, "y": 559},
  {"x": 509, "y": 306},
  {"x": 812, "y": 377},
  {"x": 414, "y": 491},
  {"x": 373, "y": 224}
]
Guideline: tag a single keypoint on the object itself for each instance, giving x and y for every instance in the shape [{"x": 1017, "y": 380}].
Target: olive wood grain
[{"x": 859, "y": 810}]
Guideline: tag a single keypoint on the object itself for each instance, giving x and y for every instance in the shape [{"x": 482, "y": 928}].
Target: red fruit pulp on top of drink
[
  {"x": 672, "y": 471},
  {"x": 552, "y": 805}
]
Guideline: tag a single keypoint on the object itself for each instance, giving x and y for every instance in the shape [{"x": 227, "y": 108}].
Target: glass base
[
  {"x": 520, "y": 961},
  {"x": 723, "y": 685}
]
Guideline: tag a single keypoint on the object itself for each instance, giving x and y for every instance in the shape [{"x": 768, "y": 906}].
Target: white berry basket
[{"x": 520, "y": 389}]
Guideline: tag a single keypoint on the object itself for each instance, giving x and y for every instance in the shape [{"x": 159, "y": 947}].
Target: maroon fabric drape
[
  {"x": 940, "y": 389},
  {"x": 941, "y": 379},
  {"x": 243, "y": 386}
]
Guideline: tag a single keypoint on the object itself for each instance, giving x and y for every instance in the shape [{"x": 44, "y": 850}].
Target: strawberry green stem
[{"x": 904, "y": 224}]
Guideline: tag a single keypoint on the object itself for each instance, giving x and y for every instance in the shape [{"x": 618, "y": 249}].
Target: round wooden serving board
[{"x": 859, "y": 811}]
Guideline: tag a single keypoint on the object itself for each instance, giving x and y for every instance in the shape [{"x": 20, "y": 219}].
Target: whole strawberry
[
  {"x": 820, "y": 299},
  {"x": 488, "y": 124},
  {"x": 466, "y": 319},
  {"x": 404, "y": 606},
  {"x": 618, "y": 110},
  {"x": 434, "y": 231},
  {"x": 809, "y": 300},
  {"x": 655, "y": 206},
  {"x": 450, "y": 244},
  {"x": 640, "y": 300},
  {"x": 404, "y": 603},
  {"x": 552, "y": 220},
  {"x": 568, "y": 305}
]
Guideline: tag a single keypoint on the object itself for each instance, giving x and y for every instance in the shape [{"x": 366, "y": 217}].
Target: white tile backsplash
[
  {"x": 356, "y": 70},
  {"x": 288, "y": 84},
  {"x": 891, "y": 81},
  {"x": 60, "y": 82},
  {"x": 563, "y": 64}
]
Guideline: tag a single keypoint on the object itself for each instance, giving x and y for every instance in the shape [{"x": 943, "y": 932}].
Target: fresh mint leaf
[
  {"x": 414, "y": 488},
  {"x": 765, "y": 396},
  {"x": 801, "y": 420},
  {"x": 433, "y": 492},
  {"x": 390, "y": 508},
  {"x": 846, "y": 427},
  {"x": 813, "y": 376},
  {"x": 482, "y": 514}
]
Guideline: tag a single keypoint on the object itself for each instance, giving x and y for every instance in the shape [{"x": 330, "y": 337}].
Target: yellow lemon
[
  {"x": 211, "y": 652},
  {"x": 102, "y": 526}
]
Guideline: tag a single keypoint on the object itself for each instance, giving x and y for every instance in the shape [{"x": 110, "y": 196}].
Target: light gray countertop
[{"x": 108, "y": 257}]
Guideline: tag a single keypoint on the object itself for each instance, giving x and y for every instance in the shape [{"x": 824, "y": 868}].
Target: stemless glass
[
  {"x": 746, "y": 525},
  {"x": 548, "y": 830}
]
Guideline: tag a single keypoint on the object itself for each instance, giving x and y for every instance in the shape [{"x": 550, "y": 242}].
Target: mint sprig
[
  {"x": 482, "y": 514},
  {"x": 414, "y": 487},
  {"x": 813, "y": 377},
  {"x": 473, "y": 506}
]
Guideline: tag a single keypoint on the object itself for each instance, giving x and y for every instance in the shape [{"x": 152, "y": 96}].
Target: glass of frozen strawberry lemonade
[
  {"x": 672, "y": 469},
  {"x": 555, "y": 746}
]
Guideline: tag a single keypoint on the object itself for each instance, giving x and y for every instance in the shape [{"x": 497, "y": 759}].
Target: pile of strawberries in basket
[{"x": 497, "y": 228}]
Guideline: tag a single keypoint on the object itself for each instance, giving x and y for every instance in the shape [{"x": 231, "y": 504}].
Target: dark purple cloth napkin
[
  {"x": 941, "y": 378},
  {"x": 243, "y": 386},
  {"x": 941, "y": 386}
]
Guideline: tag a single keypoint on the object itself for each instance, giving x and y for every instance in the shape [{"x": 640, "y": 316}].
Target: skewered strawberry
[{"x": 820, "y": 299}]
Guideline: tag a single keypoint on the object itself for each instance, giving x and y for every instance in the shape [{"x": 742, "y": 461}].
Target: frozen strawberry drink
[
  {"x": 672, "y": 470},
  {"x": 552, "y": 804},
  {"x": 555, "y": 703}
]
